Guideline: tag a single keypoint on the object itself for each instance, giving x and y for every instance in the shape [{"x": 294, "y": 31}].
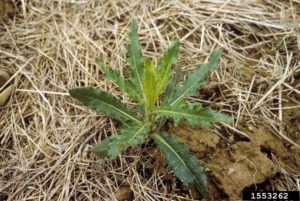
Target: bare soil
[{"x": 242, "y": 165}]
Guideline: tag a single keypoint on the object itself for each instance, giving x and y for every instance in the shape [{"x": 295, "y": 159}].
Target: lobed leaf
[
  {"x": 126, "y": 138},
  {"x": 196, "y": 79},
  {"x": 102, "y": 147},
  {"x": 101, "y": 101},
  {"x": 110, "y": 74},
  {"x": 125, "y": 85},
  {"x": 165, "y": 66},
  {"x": 186, "y": 166},
  {"x": 194, "y": 114},
  {"x": 171, "y": 85},
  {"x": 136, "y": 61}
]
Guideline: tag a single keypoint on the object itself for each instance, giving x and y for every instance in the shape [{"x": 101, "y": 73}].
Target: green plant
[{"x": 159, "y": 97}]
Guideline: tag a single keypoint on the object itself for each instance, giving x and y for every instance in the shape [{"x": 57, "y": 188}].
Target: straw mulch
[{"x": 51, "y": 46}]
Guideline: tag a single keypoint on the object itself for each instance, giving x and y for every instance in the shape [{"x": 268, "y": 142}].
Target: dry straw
[{"x": 51, "y": 47}]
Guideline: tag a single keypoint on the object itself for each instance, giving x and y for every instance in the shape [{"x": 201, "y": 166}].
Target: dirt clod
[
  {"x": 241, "y": 166},
  {"x": 243, "y": 163},
  {"x": 200, "y": 140}
]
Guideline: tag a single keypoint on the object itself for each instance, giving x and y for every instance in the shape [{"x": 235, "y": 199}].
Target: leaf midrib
[
  {"x": 174, "y": 151},
  {"x": 139, "y": 78},
  {"x": 112, "y": 106},
  {"x": 182, "y": 113},
  {"x": 138, "y": 131},
  {"x": 136, "y": 70},
  {"x": 166, "y": 144},
  {"x": 186, "y": 91}
]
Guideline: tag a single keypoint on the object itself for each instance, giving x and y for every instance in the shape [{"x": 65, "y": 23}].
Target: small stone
[
  {"x": 250, "y": 128},
  {"x": 124, "y": 193},
  {"x": 231, "y": 138}
]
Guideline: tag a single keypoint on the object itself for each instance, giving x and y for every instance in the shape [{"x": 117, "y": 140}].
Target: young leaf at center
[
  {"x": 150, "y": 85},
  {"x": 165, "y": 66}
]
